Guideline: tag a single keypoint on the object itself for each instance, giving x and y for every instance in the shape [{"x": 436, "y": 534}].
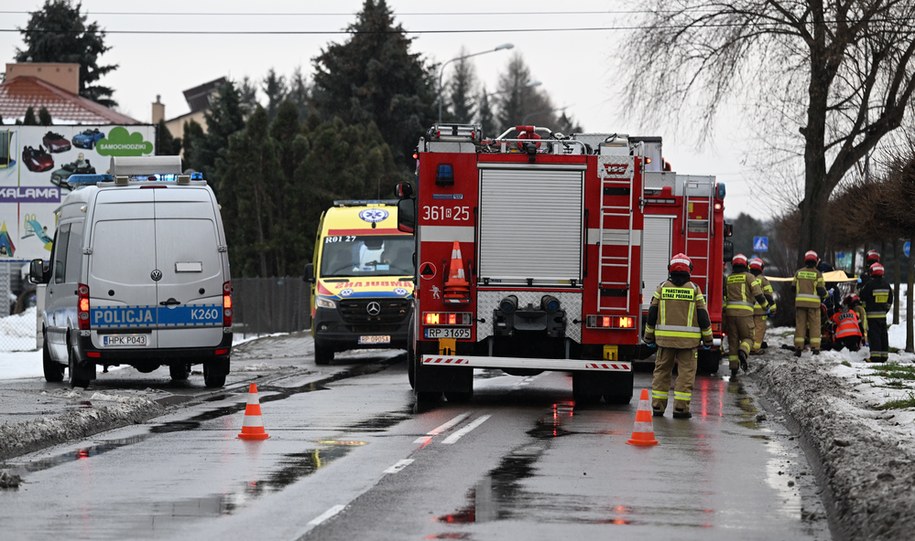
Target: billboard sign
[{"x": 35, "y": 162}]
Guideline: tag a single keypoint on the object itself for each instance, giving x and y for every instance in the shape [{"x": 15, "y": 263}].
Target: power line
[{"x": 353, "y": 14}]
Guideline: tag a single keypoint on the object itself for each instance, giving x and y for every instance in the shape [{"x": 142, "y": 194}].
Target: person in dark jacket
[{"x": 877, "y": 296}]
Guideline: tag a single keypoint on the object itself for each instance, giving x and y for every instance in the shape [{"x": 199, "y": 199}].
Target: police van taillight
[
  {"x": 82, "y": 306},
  {"x": 227, "y": 304}
]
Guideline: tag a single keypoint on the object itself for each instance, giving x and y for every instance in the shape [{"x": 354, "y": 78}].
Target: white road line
[
  {"x": 466, "y": 430},
  {"x": 326, "y": 515},
  {"x": 441, "y": 428},
  {"x": 401, "y": 464}
]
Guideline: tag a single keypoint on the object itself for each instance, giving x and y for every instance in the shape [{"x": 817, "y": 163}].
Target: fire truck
[{"x": 537, "y": 251}]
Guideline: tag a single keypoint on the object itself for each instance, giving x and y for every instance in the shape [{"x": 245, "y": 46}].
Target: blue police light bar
[
  {"x": 165, "y": 177},
  {"x": 78, "y": 180}
]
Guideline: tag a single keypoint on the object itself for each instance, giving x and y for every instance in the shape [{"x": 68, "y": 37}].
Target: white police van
[{"x": 139, "y": 275}]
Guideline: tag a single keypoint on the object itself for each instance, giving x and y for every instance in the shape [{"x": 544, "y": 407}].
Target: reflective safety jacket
[
  {"x": 847, "y": 324},
  {"x": 768, "y": 293},
  {"x": 809, "y": 288},
  {"x": 678, "y": 317},
  {"x": 877, "y": 296},
  {"x": 741, "y": 293}
]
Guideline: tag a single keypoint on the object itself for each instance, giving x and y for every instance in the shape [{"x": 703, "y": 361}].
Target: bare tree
[{"x": 839, "y": 74}]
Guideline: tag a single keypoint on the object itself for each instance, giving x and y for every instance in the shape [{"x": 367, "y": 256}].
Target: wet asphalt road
[{"x": 348, "y": 459}]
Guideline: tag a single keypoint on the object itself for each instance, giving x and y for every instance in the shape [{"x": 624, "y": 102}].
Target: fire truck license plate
[
  {"x": 448, "y": 332},
  {"x": 381, "y": 339}
]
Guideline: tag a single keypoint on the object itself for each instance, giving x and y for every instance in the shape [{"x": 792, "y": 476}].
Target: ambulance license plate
[
  {"x": 461, "y": 333},
  {"x": 379, "y": 339},
  {"x": 125, "y": 340}
]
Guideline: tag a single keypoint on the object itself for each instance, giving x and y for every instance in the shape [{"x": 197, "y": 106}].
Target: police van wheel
[
  {"x": 213, "y": 376},
  {"x": 76, "y": 379},
  {"x": 53, "y": 371},
  {"x": 323, "y": 354},
  {"x": 179, "y": 371}
]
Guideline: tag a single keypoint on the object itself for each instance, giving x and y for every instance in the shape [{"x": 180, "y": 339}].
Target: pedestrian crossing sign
[{"x": 760, "y": 244}]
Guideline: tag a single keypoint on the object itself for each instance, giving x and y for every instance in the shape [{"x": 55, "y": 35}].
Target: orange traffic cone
[
  {"x": 253, "y": 428},
  {"x": 457, "y": 289},
  {"x": 642, "y": 431}
]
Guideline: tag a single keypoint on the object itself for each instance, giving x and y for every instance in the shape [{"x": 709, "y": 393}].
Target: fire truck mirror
[
  {"x": 403, "y": 190},
  {"x": 728, "y": 230},
  {"x": 406, "y": 215},
  {"x": 728, "y": 250}
]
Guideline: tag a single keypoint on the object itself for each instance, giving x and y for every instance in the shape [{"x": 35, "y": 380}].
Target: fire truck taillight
[
  {"x": 610, "y": 322},
  {"x": 464, "y": 319},
  {"x": 82, "y": 306}
]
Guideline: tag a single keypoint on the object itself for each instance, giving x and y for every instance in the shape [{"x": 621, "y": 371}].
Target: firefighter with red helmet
[
  {"x": 877, "y": 296},
  {"x": 677, "y": 320},
  {"x": 871, "y": 257},
  {"x": 848, "y": 326},
  {"x": 742, "y": 292},
  {"x": 760, "y": 314},
  {"x": 809, "y": 290}
]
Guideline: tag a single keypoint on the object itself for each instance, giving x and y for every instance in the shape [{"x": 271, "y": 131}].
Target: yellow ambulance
[{"x": 361, "y": 279}]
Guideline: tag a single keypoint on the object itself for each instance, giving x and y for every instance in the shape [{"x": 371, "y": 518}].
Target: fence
[{"x": 269, "y": 305}]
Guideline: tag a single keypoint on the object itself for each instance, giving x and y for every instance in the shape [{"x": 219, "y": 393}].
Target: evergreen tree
[
  {"x": 60, "y": 33},
  {"x": 486, "y": 117},
  {"x": 300, "y": 93},
  {"x": 224, "y": 118},
  {"x": 193, "y": 136},
  {"x": 44, "y": 117},
  {"x": 288, "y": 190},
  {"x": 516, "y": 97},
  {"x": 462, "y": 108},
  {"x": 247, "y": 92},
  {"x": 567, "y": 125},
  {"x": 274, "y": 86},
  {"x": 29, "y": 118},
  {"x": 166, "y": 144},
  {"x": 374, "y": 77}
]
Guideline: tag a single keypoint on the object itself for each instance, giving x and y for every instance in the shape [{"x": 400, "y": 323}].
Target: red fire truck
[{"x": 536, "y": 251}]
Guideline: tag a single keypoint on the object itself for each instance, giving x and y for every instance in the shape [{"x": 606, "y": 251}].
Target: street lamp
[{"x": 441, "y": 73}]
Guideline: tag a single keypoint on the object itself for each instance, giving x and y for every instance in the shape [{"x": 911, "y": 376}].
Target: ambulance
[{"x": 361, "y": 279}]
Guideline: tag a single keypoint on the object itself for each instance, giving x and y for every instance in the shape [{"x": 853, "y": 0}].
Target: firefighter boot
[
  {"x": 743, "y": 360},
  {"x": 797, "y": 352},
  {"x": 733, "y": 373},
  {"x": 815, "y": 351},
  {"x": 682, "y": 414}
]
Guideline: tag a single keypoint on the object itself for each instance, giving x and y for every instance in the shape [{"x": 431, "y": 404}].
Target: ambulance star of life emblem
[{"x": 156, "y": 275}]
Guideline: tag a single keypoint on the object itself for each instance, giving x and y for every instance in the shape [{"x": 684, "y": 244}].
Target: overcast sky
[{"x": 577, "y": 64}]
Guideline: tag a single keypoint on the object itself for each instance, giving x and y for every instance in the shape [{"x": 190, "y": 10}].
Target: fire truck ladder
[
  {"x": 700, "y": 191},
  {"x": 610, "y": 239}
]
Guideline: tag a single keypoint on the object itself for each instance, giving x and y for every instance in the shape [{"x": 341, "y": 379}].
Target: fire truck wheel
[
  {"x": 618, "y": 388},
  {"x": 323, "y": 354},
  {"x": 411, "y": 356},
  {"x": 425, "y": 401},
  {"x": 708, "y": 362},
  {"x": 584, "y": 389}
]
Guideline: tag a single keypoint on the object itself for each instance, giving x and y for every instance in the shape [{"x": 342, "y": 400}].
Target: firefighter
[
  {"x": 759, "y": 314},
  {"x": 877, "y": 296},
  {"x": 871, "y": 257},
  {"x": 741, "y": 290},
  {"x": 677, "y": 320},
  {"x": 809, "y": 289},
  {"x": 848, "y": 327},
  {"x": 855, "y": 302}
]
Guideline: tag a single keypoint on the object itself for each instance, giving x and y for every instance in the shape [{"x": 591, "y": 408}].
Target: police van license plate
[
  {"x": 125, "y": 340},
  {"x": 380, "y": 339},
  {"x": 448, "y": 332}
]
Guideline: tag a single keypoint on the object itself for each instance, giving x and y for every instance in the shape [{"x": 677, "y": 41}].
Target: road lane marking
[
  {"x": 401, "y": 464},
  {"x": 441, "y": 428},
  {"x": 466, "y": 430},
  {"x": 326, "y": 515}
]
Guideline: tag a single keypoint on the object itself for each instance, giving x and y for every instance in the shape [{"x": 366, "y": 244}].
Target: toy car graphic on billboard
[
  {"x": 55, "y": 142},
  {"x": 37, "y": 160},
  {"x": 88, "y": 138},
  {"x": 80, "y": 166}
]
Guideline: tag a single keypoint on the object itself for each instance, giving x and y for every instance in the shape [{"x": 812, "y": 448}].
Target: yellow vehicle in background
[{"x": 361, "y": 279}]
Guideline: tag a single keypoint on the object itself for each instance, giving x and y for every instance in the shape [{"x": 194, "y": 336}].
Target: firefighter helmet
[
  {"x": 811, "y": 256},
  {"x": 873, "y": 256},
  {"x": 757, "y": 263},
  {"x": 739, "y": 260},
  {"x": 852, "y": 299},
  {"x": 877, "y": 269},
  {"x": 680, "y": 263}
]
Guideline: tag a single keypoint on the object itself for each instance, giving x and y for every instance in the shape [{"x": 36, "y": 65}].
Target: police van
[
  {"x": 361, "y": 279},
  {"x": 139, "y": 275}
]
